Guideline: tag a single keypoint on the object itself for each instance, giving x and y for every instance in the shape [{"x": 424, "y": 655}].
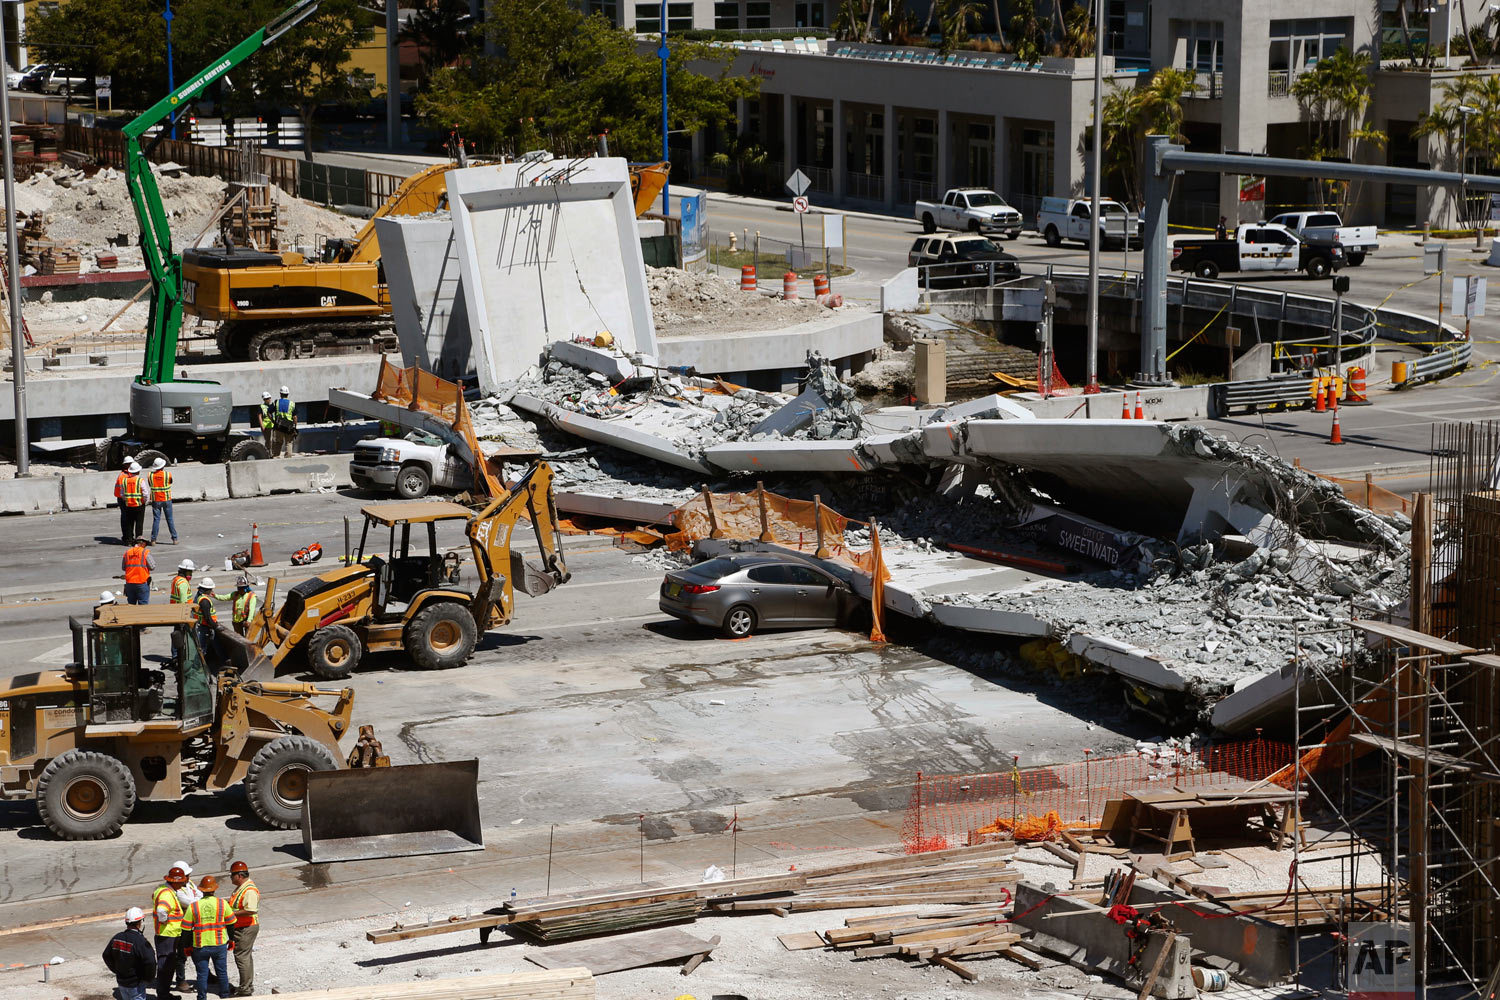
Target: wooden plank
[
  {"x": 692, "y": 964},
  {"x": 802, "y": 941},
  {"x": 595, "y": 905},
  {"x": 449, "y": 926},
  {"x": 1161, "y": 959},
  {"x": 1409, "y": 637},
  {"x": 616, "y": 954},
  {"x": 913, "y": 860},
  {"x": 1021, "y": 959},
  {"x": 554, "y": 984},
  {"x": 962, "y": 971}
]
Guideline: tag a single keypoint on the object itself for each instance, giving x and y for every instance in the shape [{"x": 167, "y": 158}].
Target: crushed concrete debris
[{"x": 689, "y": 303}]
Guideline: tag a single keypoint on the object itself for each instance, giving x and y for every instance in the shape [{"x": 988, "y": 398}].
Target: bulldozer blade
[
  {"x": 244, "y": 656},
  {"x": 392, "y": 812},
  {"x": 529, "y": 579}
]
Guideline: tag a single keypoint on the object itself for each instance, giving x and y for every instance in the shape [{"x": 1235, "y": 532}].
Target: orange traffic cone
[
  {"x": 1140, "y": 414},
  {"x": 1333, "y": 395},
  {"x": 1337, "y": 436},
  {"x": 1125, "y": 406},
  {"x": 1322, "y": 403},
  {"x": 256, "y": 559}
]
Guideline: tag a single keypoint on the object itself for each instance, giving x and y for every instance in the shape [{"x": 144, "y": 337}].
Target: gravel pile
[{"x": 688, "y": 303}]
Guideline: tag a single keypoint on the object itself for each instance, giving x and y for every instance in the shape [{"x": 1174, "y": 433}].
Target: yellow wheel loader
[
  {"x": 403, "y": 588},
  {"x": 138, "y": 716}
]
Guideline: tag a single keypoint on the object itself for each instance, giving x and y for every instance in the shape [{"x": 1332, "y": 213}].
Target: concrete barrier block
[
  {"x": 88, "y": 490},
  {"x": 199, "y": 482},
  {"x": 301, "y": 474},
  {"x": 32, "y": 495}
]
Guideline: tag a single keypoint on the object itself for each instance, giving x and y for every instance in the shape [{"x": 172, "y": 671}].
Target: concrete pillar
[
  {"x": 840, "y": 149},
  {"x": 789, "y": 133},
  {"x": 942, "y": 152},
  {"x": 931, "y": 371},
  {"x": 1154, "y": 264},
  {"x": 891, "y": 165},
  {"x": 1002, "y": 147}
]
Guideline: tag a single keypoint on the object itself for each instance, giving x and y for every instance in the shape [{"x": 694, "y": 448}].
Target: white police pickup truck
[{"x": 979, "y": 210}]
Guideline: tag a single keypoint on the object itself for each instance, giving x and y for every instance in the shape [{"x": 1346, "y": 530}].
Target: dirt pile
[{"x": 690, "y": 303}]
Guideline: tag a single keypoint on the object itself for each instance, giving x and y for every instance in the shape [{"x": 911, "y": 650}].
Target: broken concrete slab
[
  {"x": 611, "y": 433},
  {"x": 426, "y": 288},
  {"x": 789, "y": 456},
  {"x": 610, "y": 363},
  {"x": 1127, "y": 660},
  {"x": 839, "y": 336},
  {"x": 548, "y": 251}
]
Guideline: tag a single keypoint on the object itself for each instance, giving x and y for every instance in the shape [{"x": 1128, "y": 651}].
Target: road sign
[
  {"x": 1434, "y": 258},
  {"x": 798, "y": 183},
  {"x": 102, "y": 81},
  {"x": 101, "y": 92},
  {"x": 1469, "y": 296},
  {"x": 799, "y": 205}
]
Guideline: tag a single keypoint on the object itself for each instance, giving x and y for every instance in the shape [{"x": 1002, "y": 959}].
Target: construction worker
[
  {"x": 131, "y": 958},
  {"x": 135, "y": 502},
  {"x": 246, "y": 905},
  {"x": 206, "y": 618},
  {"x": 138, "y": 565},
  {"x": 159, "y": 481},
  {"x": 283, "y": 434},
  {"x": 207, "y": 923},
  {"x": 246, "y": 604},
  {"x": 182, "y": 583},
  {"x": 105, "y": 598},
  {"x": 167, "y": 911},
  {"x": 125, "y": 535}
]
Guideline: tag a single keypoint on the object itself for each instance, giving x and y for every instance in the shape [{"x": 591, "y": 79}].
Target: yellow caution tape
[{"x": 1200, "y": 332}]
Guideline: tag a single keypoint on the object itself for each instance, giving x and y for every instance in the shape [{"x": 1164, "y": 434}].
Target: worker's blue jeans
[
  {"x": 137, "y": 992},
  {"x": 160, "y": 509},
  {"x": 219, "y": 955},
  {"x": 138, "y": 593}
]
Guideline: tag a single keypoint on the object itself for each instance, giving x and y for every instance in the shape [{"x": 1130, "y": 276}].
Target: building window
[
  {"x": 924, "y": 149},
  {"x": 1204, "y": 45},
  {"x": 679, "y": 17},
  {"x": 727, "y": 15},
  {"x": 758, "y": 14},
  {"x": 810, "y": 15},
  {"x": 1299, "y": 45},
  {"x": 607, "y": 8},
  {"x": 647, "y": 18}
]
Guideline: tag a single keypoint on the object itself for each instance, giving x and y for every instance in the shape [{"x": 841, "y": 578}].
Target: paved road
[{"x": 592, "y": 708}]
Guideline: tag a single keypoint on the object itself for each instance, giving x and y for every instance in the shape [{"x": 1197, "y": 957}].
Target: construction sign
[
  {"x": 1379, "y": 961},
  {"x": 1252, "y": 188}
]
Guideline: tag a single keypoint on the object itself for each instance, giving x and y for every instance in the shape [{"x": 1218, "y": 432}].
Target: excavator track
[{"x": 327, "y": 338}]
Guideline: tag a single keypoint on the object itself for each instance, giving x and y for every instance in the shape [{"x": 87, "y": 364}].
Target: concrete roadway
[{"x": 592, "y": 709}]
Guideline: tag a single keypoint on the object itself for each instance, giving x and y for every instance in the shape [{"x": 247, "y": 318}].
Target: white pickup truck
[
  {"x": 1064, "y": 219},
  {"x": 409, "y": 466},
  {"x": 979, "y": 210},
  {"x": 1357, "y": 241}
]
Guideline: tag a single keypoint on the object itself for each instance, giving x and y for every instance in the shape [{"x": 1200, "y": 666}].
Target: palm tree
[
  {"x": 1335, "y": 99},
  {"x": 953, "y": 25},
  {"x": 1446, "y": 122}
]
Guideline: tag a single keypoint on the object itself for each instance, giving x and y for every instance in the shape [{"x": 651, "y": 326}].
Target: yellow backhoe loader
[{"x": 402, "y": 588}]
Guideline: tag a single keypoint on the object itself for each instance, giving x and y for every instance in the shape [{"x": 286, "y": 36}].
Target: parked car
[
  {"x": 32, "y": 80},
  {"x": 958, "y": 260},
  {"x": 1257, "y": 246},
  {"x": 1068, "y": 219},
  {"x": 979, "y": 210},
  {"x": 742, "y": 594},
  {"x": 408, "y": 466},
  {"x": 51, "y": 78},
  {"x": 1357, "y": 241},
  {"x": 13, "y": 77}
]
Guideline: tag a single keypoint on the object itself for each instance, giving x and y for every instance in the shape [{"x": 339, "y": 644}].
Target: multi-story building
[{"x": 878, "y": 125}]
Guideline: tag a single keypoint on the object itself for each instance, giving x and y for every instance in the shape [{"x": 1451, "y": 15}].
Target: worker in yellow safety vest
[
  {"x": 208, "y": 921},
  {"x": 283, "y": 412},
  {"x": 206, "y": 618},
  {"x": 137, "y": 566},
  {"x": 245, "y": 604},
  {"x": 182, "y": 583},
  {"x": 246, "y": 905},
  {"x": 133, "y": 494},
  {"x": 167, "y": 910},
  {"x": 159, "y": 480}
]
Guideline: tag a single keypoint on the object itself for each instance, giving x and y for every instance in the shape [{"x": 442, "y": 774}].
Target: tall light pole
[
  {"x": 662, "y": 53},
  {"x": 1091, "y": 365},
  {"x": 13, "y": 278},
  {"x": 392, "y": 76},
  {"x": 1464, "y": 112}
]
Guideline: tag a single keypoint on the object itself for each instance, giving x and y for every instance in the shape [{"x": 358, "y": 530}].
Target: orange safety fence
[
  {"x": 1364, "y": 492},
  {"x": 423, "y": 391},
  {"x": 955, "y": 810},
  {"x": 805, "y": 525}
]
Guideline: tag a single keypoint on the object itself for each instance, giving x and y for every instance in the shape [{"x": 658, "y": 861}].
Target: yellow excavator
[
  {"x": 403, "y": 589},
  {"x": 274, "y": 306}
]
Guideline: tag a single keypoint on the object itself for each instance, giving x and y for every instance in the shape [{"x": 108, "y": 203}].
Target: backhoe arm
[
  {"x": 156, "y": 234},
  {"x": 490, "y": 536}
]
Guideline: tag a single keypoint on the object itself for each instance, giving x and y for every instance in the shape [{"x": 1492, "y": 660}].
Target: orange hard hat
[
  {"x": 239, "y": 868},
  {"x": 209, "y": 884},
  {"x": 176, "y": 875}
]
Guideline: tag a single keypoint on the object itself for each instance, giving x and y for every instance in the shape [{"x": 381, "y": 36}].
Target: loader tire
[
  {"x": 276, "y": 782},
  {"x": 246, "y": 450},
  {"x": 441, "y": 636},
  {"x": 333, "y": 652},
  {"x": 85, "y": 796}
]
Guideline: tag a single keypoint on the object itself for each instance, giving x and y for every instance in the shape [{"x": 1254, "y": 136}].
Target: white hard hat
[
  {"x": 134, "y": 467},
  {"x": 128, "y": 460},
  {"x": 207, "y": 583},
  {"x": 285, "y": 390},
  {"x": 188, "y": 565},
  {"x": 134, "y": 915},
  {"x": 266, "y": 394},
  {"x": 160, "y": 463},
  {"x": 187, "y": 869},
  {"x": 106, "y": 598}
]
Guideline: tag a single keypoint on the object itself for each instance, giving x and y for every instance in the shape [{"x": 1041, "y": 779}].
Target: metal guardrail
[
  {"x": 1282, "y": 392},
  {"x": 1441, "y": 361}
]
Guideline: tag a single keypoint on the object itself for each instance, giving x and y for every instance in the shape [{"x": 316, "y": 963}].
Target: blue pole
[
  {"x": 171, "y": 86},
  {"x": 662, "y": 53}
]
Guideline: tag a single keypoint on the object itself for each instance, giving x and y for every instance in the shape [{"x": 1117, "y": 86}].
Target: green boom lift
[{"x": 182, "y": 418}]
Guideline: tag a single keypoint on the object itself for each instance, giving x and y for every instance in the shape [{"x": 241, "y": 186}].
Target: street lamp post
[
  {"x": 13, "y": 279},
  {"x": 1091, "y": 367},
  {"x": 662, "y": 53},
  {"x": 1464, "y": 112}
]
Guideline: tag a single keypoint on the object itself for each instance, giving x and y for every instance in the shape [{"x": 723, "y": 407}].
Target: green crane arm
[{"x": 156, "y": 235}]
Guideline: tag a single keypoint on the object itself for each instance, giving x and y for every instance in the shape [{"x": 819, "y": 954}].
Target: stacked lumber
[
  {"x": 106, "y": 261},
  {"x": 590, "y": 923},
  {"x": 1312, "y": 906},
  {"x": 552, "y": 984},
  {"x": 938, "y": 938},
  {"x": 60, "y": 260}
]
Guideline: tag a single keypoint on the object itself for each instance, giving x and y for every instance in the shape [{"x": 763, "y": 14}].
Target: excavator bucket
[
  {"x": 392, "y": 812},
  {"x": 529, "y": 579}
]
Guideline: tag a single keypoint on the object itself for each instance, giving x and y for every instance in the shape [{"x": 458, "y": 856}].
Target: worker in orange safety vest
[
  {"x": 208, "y": 922},
  {"x": 246, "y": 904},
  {"x": 125, "y": 536},
  {"x": 137, "y": 565},
  {"x": 159, "y": 480}
]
